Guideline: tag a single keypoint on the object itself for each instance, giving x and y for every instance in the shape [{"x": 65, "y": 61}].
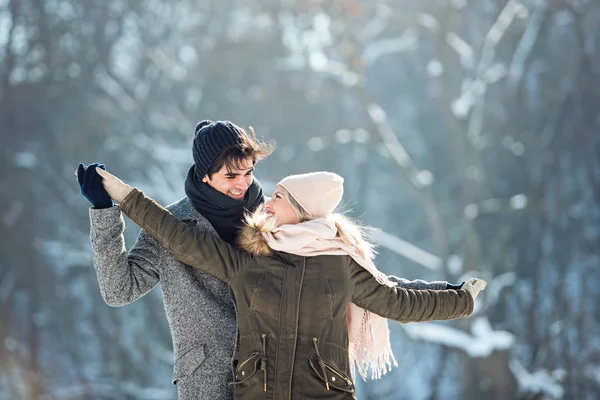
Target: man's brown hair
[{"x": 247, "y": 147}]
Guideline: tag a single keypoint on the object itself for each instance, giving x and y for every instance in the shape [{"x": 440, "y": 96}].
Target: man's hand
[
  {"x": 91, "y": 185},
  {"x": 116, "y": 188},
  {"x": 474, "y": 286}
]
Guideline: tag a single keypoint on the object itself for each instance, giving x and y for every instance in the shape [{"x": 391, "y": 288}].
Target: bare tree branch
[{"x": 511, "y": 11}]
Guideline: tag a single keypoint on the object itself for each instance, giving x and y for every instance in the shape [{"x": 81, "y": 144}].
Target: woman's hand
[
  {"x": 473, "y": 285},
  {"x": 116, "y": 188}
]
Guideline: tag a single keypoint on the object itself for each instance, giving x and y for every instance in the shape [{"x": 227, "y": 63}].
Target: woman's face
[{"x": 281, "y": 209}]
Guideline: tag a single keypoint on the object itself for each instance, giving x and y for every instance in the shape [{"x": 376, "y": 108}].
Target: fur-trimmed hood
[{"x": 251, "y": 239}]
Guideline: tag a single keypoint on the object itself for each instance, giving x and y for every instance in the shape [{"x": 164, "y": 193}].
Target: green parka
[{"x": 292, "y": 309}]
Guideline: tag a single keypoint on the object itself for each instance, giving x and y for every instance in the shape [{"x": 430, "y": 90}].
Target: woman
[{"x": 311, "y": 303}]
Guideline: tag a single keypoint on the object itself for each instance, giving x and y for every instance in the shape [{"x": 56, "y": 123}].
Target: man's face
[{"x": 233, "y": 183}]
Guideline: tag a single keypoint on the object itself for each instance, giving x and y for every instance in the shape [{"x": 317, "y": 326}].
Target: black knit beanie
[{"x": 212, "y": 138}]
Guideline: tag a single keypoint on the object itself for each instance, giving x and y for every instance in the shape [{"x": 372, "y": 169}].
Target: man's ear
[{"x": 205, "y": 179}]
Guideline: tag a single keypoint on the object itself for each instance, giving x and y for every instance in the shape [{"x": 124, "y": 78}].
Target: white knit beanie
[{"x": 319, "y": 193}]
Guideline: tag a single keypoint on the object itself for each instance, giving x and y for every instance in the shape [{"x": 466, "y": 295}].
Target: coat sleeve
[
  {"x": 406, "y": 305},
  {"x": 188, "y": 244},
  {"x": 123, "y": 277}
]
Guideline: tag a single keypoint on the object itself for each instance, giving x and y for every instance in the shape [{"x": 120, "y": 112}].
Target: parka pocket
[
  {"x": 324, "y": 376},
  {"x": 330, "y": 293},
  {"x": 334, "y": 378},
  {"x": 323, "y": 299},
  {"x": 257, "y": 296},
  {"x": 251, "y": 374},
  {"x": 265, "y": 295},
  {"x": 247, "y": 368},
  {"x": 189, "y": 362}
]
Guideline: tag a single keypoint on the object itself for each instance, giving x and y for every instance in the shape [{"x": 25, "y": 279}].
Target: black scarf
[{"x": 224, "y": 213}]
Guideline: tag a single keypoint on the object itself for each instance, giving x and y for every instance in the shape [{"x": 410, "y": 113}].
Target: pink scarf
[{"x": 368, "y": 333}]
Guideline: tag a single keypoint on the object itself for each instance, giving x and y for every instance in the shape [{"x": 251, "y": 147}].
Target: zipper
[
  {"x": 296, "y": 320},
  {"x": 348, "y": 381},
  {"x": 246, "y": 361}
]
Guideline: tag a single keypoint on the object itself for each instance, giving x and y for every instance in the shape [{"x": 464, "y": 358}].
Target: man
[{"x": 220, "y": 187}]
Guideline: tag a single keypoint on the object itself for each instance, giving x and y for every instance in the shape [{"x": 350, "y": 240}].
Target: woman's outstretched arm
[
  {"x": 408, "y": 305},
  {"x": 201, "y": 250}
]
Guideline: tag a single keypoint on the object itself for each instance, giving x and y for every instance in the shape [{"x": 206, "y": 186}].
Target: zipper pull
[
  {"x": 321, "y": 363},
  {"x": 263, "y": 361}
]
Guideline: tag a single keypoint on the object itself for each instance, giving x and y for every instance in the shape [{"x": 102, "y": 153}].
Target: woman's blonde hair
[
  {"x": 351, "y": 232},
  {"x": 266, "y": 223}
]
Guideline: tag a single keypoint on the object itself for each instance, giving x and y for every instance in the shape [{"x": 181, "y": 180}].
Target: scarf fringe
[{"x": 364, "y": 354}]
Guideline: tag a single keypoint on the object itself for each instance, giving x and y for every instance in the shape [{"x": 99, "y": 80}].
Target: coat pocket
[
  {"x": 265, "y": 295},
  {"x": 329, "y": 297},
  {"x": 331, "y": 376},
  {"x": 247, "y": 368},
  {"x": 189, "y": 362}
]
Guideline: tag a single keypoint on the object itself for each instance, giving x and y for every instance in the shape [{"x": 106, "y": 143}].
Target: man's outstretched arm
[
  {"x": 123, "y": 277},
  {"x": 419, "y": 284}
]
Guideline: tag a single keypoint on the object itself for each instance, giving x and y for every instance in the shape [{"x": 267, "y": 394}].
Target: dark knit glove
[
  {"x": 91, "y": 185},
  {"x": 455, "y": 287}
]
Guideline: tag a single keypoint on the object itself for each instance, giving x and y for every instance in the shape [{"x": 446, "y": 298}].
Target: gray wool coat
[{"x": 200, "y": 309}]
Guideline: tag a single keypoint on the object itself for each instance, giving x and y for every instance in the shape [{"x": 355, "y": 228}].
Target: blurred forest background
[{"x": 467, "y": 131}]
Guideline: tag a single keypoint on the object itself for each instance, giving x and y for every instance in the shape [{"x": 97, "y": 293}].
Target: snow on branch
[
  {"x": 407, "y": 41},
  {"x": 463, "y": 49},
  {"x": 496, "y": 286},
  {"x": 511, "y": 11},
  {"x": 419, "y": 179},
  {"x": 525, "y": 47},
  {"x": 541, "y": 382},
  {"x": 406, "y": 249},
  {"x": 114, "y": 89},
  {"x": 482, "y": 341}
]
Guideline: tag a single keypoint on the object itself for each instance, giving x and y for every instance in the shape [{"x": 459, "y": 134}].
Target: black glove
[
  {"x": 455, "y": 287},
  {"x": 91, "y": 186}
]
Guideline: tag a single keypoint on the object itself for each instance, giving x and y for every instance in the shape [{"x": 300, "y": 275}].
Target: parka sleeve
[
  {"x": 406, "y": 305},
  {"x": 199, "y": 249}
]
